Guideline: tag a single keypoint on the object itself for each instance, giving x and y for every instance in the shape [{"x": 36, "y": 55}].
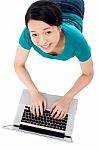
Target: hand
[
  {"x": 59, "y": 109},
  {"x": 38, "y": 104}
]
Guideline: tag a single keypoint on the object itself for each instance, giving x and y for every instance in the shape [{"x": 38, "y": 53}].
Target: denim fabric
[{"x": 71, "y": 6}]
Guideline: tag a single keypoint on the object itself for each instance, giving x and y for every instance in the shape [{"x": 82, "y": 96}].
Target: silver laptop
[{"x": 44, "y": 125}]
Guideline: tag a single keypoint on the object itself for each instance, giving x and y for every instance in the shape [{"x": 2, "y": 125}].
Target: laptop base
[
  {"x": 26, "y": 99},
  {"x": 17, "y": 128}
]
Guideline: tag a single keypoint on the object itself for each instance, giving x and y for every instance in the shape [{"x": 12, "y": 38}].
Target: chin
[{"x": 48, "y": 50}]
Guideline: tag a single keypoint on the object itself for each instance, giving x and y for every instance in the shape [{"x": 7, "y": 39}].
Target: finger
[
  {"x": 61, "y": 115},
  {"x": 37, "y": 111},
  {"x": 44, "y": 105},
  {"x": 57, "y": 114},
  {"x": 64, "y": 116},
  {"x": 41, "y": 110},
  {"x": 53, "y": 107},
  {"x": 32, "y": 109},
  {"x": 53, "y": 112}
]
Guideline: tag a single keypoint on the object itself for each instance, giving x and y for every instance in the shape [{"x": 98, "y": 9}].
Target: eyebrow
[{"x": 43, "y": 29}]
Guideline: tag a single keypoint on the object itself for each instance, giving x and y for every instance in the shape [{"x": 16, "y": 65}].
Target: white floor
[{"x": 86, "y": 129}]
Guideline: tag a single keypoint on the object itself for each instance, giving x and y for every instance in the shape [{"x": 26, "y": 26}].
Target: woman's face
[{"x": 43, "y": 35}]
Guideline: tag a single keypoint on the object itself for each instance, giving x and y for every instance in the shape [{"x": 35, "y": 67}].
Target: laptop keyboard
[{"x": 44, "y": 120}]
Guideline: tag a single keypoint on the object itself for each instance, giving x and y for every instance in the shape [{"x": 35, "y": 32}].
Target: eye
[
  {"x": 34, "y": 35},
  {"x": 48, "y": 32}
]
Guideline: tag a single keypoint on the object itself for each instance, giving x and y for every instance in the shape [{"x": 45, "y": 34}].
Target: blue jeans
[{"x": 71, "y": 6}]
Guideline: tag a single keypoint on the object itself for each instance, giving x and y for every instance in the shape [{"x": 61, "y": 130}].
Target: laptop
[{"x": 44, "y": 125}]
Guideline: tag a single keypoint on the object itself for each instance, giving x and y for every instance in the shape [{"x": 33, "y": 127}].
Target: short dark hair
[{"x": 44, "y": 10}]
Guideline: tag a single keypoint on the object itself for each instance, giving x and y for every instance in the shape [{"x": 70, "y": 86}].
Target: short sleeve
[
  {"x": 83, "y": 50},
  {"x": 25, "y": 40}
]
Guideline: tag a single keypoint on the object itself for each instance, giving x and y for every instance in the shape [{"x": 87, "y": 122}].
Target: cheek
[
  {"x": 35, "y": 41},
  {"x": 56, "y": 38}
]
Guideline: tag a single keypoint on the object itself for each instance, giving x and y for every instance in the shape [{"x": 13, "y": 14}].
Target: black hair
[{"x": 44, "y": 10}]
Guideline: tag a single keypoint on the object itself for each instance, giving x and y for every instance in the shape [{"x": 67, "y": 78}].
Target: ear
[{"x": 60, "y": 28}]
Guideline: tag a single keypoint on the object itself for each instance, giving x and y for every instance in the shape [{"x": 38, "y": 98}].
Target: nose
[{"x": 42, "y": 41}]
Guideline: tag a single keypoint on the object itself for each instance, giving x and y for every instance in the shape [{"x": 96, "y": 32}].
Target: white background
[{"x": 51, "y": 76}]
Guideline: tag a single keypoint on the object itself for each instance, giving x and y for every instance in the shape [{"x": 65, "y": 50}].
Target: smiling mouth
[{"x": 45, "y": 46}]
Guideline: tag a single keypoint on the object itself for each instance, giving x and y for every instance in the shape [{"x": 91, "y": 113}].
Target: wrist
[
  {"x": 68, "y": 97},
  {"x": 33, "y": 91}
]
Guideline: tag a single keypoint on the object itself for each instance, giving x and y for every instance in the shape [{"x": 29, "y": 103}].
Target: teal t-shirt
[{"x": 75, "y": 45}]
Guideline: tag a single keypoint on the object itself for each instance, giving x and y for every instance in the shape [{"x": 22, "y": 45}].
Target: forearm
[
  {"x": 24, "y": 76},
  {"x": 80, "y": 84}
]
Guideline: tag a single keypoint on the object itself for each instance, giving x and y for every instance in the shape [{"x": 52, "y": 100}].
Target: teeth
[{"x": 46, "y": 46}]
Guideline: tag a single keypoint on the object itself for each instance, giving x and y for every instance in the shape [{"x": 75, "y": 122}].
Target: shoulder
[
  {"x": 71, "y": 30},
  {"x": 25, "y": 39},
  {"x": 78, "y": 42},
  {"x": 73, "y": 33}
]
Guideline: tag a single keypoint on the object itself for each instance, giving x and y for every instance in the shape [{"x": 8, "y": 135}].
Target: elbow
[
  {"x": 18, "y": 66},
  {"x": 90, "y": 76},
  {"x": 15, "y": 66}
]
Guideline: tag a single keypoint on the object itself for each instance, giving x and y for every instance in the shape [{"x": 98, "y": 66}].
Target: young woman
[{"x": 53, "y": 29}]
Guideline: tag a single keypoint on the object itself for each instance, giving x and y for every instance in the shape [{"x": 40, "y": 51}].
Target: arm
[
  {"x": 83, "y": 80},
  {"x": 21, "y": 71},
  {"x": 61, "y": 107},
  {"x": 37, "y": 100}
]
